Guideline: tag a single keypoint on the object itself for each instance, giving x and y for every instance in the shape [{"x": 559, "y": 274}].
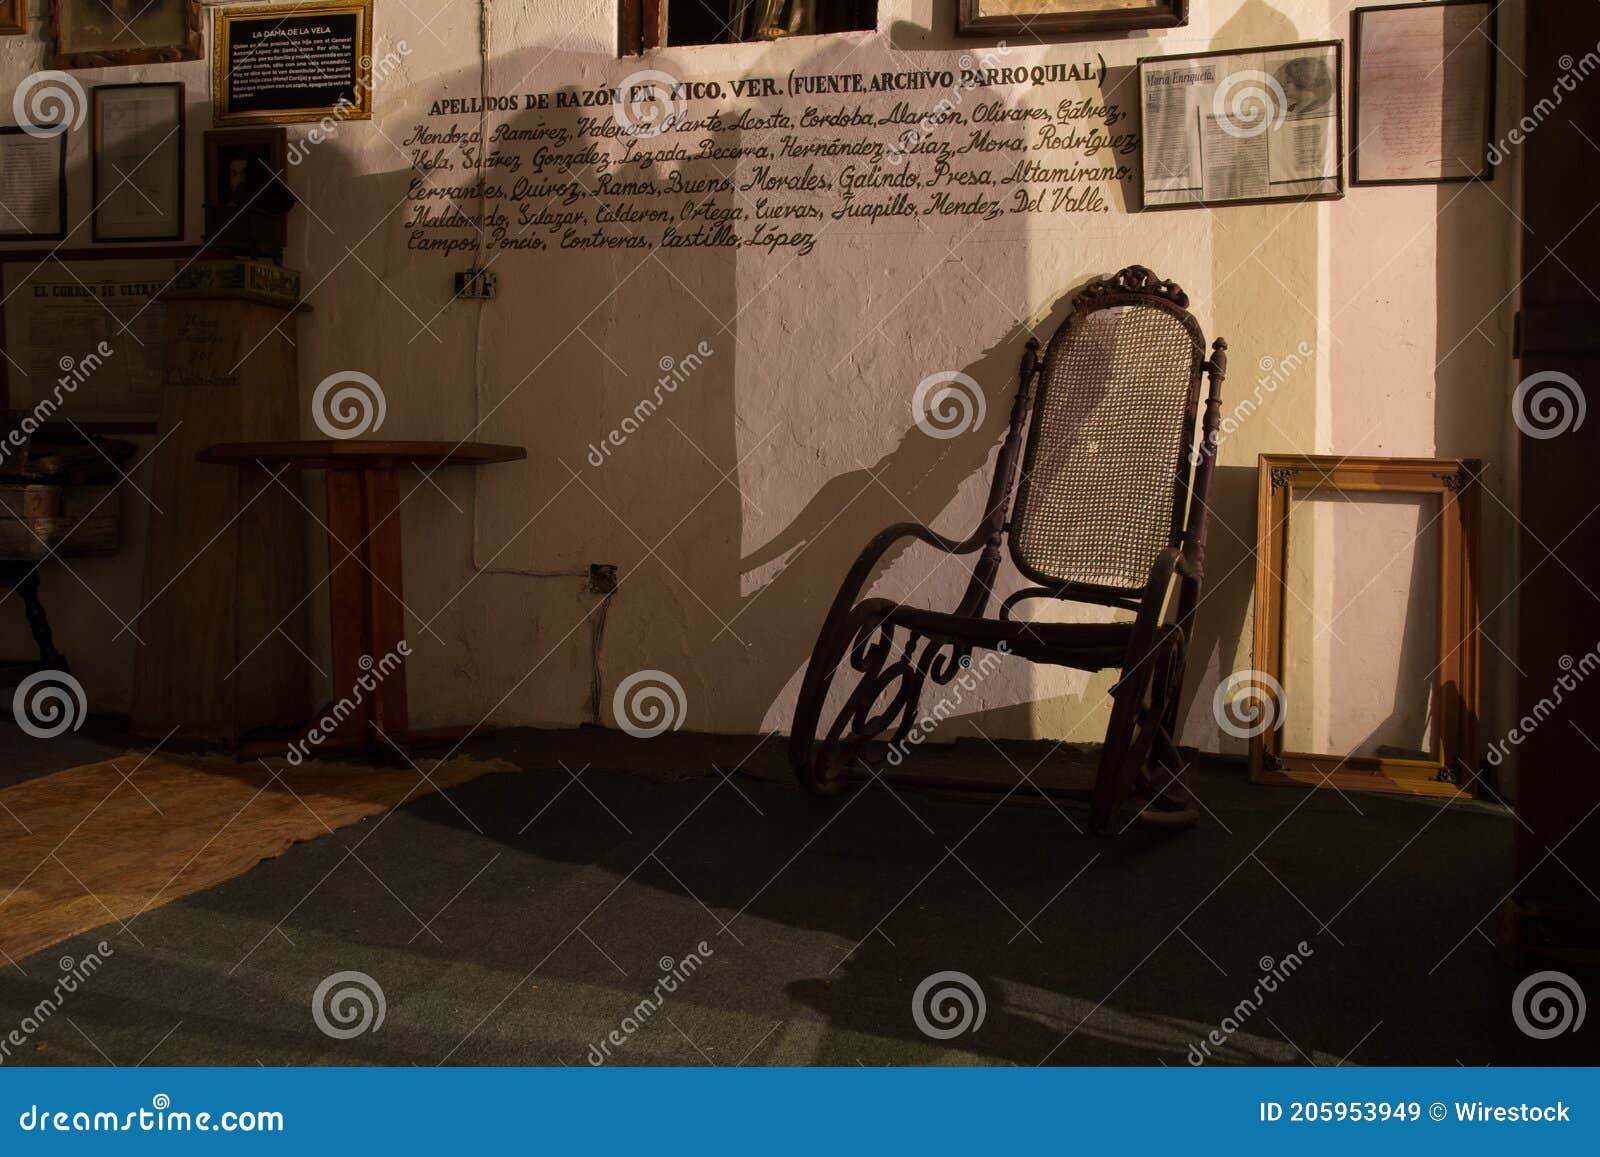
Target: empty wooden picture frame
[{"x": 1444, "y": 490}]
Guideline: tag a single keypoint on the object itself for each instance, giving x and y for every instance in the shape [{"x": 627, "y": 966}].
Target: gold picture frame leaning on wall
[
  {"x": 292, "y": 63},
  {"x": 1269, "y": 696},
  {"x": 13, "y": 17},
  {"x": 106, "y": 33},
  {"x": 1044, "y": 17}
]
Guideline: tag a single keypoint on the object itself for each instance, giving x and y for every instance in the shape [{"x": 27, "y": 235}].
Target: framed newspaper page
[{"x": 1243, "y": 127}]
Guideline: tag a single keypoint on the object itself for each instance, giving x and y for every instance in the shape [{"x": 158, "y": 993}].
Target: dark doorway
[{"x": 1558, "y": 787}]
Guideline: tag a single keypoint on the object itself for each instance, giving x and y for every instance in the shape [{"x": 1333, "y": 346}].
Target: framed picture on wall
[
  {"x": 1043, "y": 17},
  {"x": 105, "y": 33},
  {"x": 1243, "y": 127},
  {"x": 33, "y": 185},
  {"x": 13, "y": 17},
  {"x": 56, "y": 308},
  {"x": 1422, "y": 93},
  {"x": 240, "y": 163},
  {"x": 287, "y": 63},
  {"x": 138, "y": 132}
]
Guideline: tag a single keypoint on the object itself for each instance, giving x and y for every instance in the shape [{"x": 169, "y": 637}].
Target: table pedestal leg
[{"x": 366, "y": 615}]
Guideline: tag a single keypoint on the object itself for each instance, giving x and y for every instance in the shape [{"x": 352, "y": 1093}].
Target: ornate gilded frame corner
[{"x": 13, "y": 17}]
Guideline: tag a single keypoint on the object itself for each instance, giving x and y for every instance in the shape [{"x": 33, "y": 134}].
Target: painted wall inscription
[{"x": 770, "y": 164}]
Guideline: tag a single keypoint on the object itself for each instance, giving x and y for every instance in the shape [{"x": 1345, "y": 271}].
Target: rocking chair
[{"x": 1110, "y": 508}]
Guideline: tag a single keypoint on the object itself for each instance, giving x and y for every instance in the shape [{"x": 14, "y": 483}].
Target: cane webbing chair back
[{"x": 1104, "y": 481}]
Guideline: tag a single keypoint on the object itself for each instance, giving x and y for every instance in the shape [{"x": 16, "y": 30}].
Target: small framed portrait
[
  {"x": 138, "y": 161},
  {"x": 1043, "y": 17},
  {"x": 105, "y": 33},
  {"x": 13, "y": 17},
  {"x": 240, "y": 163}
]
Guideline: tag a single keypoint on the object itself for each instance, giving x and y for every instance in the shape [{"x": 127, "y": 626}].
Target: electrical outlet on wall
[{"x": 477, "y": 285}]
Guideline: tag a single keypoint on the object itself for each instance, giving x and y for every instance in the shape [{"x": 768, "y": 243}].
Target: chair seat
[{"x": 1083, "y": 646}]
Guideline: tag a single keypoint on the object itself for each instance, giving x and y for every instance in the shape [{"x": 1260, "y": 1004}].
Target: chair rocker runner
[{"x": 1110, "y": 508}]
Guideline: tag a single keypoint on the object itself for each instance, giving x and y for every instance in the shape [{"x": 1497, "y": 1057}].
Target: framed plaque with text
[{"x": 287, "y": 63}]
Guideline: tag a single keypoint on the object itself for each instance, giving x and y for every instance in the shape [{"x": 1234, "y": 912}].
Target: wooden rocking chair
[{"x": 1110, "y": 508}]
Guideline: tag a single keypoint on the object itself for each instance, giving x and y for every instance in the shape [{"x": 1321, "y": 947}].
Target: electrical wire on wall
[{"x": 597, "y": 617}]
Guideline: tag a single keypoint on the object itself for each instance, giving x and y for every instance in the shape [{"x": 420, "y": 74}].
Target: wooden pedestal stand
[{"x": 222, "y": 630}]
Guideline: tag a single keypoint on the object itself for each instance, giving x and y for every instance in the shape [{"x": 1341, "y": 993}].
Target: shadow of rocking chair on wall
[{"x": 1110, "y": 509}]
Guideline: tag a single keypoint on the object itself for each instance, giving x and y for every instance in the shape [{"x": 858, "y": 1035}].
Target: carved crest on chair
[{"x": 1133, "y": 279}]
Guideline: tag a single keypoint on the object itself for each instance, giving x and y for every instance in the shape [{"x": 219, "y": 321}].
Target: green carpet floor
[{"x": 523, "y": 918}]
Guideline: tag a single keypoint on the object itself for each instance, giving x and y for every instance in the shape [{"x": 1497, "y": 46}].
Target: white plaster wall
[{"x": 734, "y": 520}]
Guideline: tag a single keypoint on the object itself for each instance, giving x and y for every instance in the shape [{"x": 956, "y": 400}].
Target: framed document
[
  {"x": 33, "y": 185},
  {"x": 283, "y": 63},
  {"x": 138, "y": 161},
  {"x": 1422, "y": 93},
  {"x": 1243, "y": 127},
  {"x": 104, "y": 33},
  {"x": 1014, "y": 17},
  {"x": 84, "y": 328},
  {"x": 13, "y": 17}
]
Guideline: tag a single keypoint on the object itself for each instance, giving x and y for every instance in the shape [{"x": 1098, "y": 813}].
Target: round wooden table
[{"x": 365, "y": 612}]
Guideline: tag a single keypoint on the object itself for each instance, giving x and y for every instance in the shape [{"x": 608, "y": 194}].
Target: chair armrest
[{"x": 869, "y": 558}]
